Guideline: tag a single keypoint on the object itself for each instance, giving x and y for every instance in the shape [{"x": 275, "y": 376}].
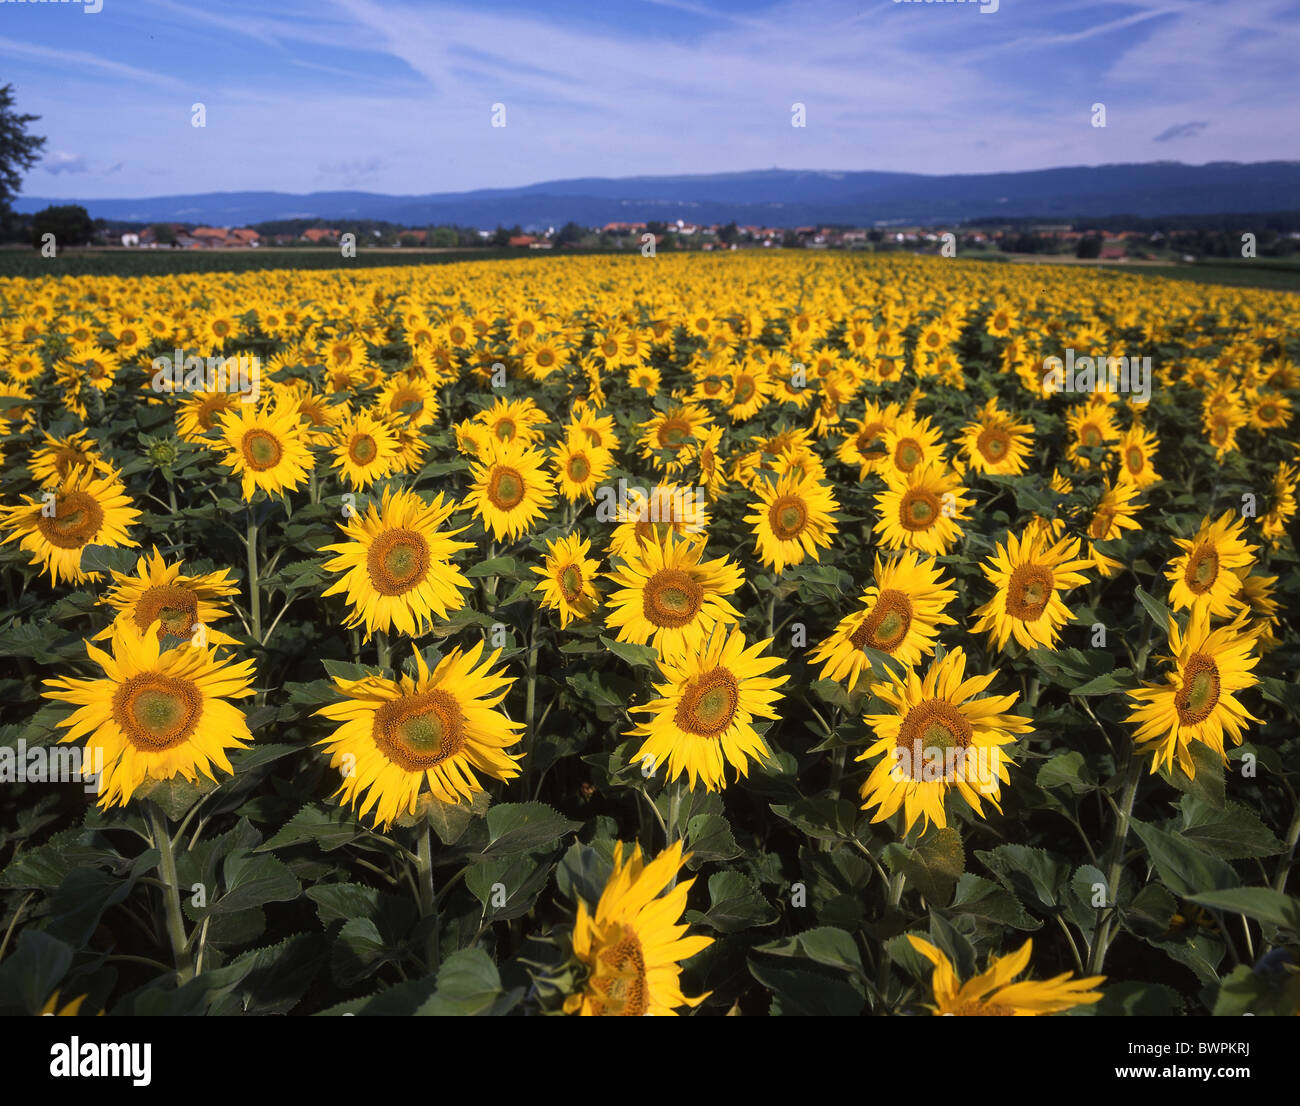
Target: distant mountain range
[{"x": 773, "y": 197}]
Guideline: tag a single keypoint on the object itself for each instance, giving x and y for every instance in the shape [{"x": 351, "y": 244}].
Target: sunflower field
[{"x": 757, "y": 633}]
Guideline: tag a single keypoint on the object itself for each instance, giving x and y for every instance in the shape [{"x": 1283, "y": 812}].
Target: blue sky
[{"x": 396, "y": 95}]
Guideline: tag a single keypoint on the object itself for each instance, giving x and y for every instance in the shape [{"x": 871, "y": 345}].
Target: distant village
[
  {"x": 1115, "y": 246},
  {"x": 1124, "y": 239}
]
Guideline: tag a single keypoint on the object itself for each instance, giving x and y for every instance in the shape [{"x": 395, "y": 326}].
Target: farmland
[{"x": 762, "y": 633}]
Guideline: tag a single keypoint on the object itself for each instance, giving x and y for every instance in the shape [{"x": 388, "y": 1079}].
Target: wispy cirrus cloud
[{"x": 397, "y": 95}]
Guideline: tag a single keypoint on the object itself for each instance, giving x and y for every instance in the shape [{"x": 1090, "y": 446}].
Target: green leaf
[
  {"x": 1182, "y": 867},
  {"x": 991, "y": 902},
  {"x": 1136, "y": 1000},
  {"x": 810, "y": 990},
  {"x": 1208, "y": 783},
  {"x": 825, "y": 944},
  {"x": 1263, "y": 904},
  {"x": 709, "y": 837},
  {"x": 1150, "y": 912},
  {"x": 499, "y": 566},
  {"x": 641, "y": 656},
  {"x": 254, "y": 880},
  {"x": 933, "y": 867},
  {"x": 329, "y": 828},
  {"x": 451, "y": 820},
  {"x": 821, "y": 818},
  {"x": 507, "y": 887},
  {"x": 522, "y": 827},
  {"x": 736, "y": 904},
  {"x": 1234, "y": 832},
  {"x": 335, "y": 901},
  {"x": 1160, "y": 614},
  {"x": 1032, "y": 874},
  {"x": 1066, "y": 770},
  {"x": 468, "y": 985},
  {"x": 346, "y": 670}
]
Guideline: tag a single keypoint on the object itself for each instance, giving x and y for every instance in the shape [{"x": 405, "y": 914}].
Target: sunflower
[
  {"x": 509, "y": 420},
  {"x": 24, "y": 365},
  {"x": 439, "y": 728},
  {"x": 366, "y": 449},
  {"x": 543, "y": 357},
  {"x": 1257, "y": 592},
  {"x": 199, "y": 413},
  {"x": 265, "y": 447},
  {"x": 792, "y": 520},
  {"x": 665, "y": 509},
  {"x": 55, "y": 1007},
  {"x": 912, "y": 442},
  {"x": 1268, "y": 410},
  {"x": 161, "y": 593},
  {"x": 992, "y": 994},
  {"x": 512, "y": 488},
  {"x": 670, "y": 596},
  {"x": 900, "y": 615},
  {"x": 1204, "y": 575},
  {"x": 665, "y": 437},
  {"x": 1002, "y": 321},
  {"x": 86, "y": 510},
  {"x": 568, "y": 583},
  {"x": 865, "y": 445},
  {"x": 155, "y": 713},
  {"x": 632, "y": 943},
  {"x": 920, "y": 510},
  {"x": 580, "y": 467},
  {"x": 58, "y": 458},
  {"x": 397, "y": 564},
  {"x": 703, "y": 717},
  {"x": 1115, "y": 513},
  {"x": 1031, "y": 575},
  {"x": 408, "y": 401},
  {"x": 1282, "y": 504},
  {"x": 750, "y": 388},
  {"x": 1222, "y": 415},
  {"x": 597, "y": 429},
  {"x": 938, "y": 738},
  {"x": 1092, "y": 426},
  {"x": 706, "y": 453},
  {"x": 645, "y": 378},
  {"x": 1198, "y": 700},
  {"x": 996, "y": 443},
  {"x": 87, "y": 363},
  {"x": 1137, "y": 450}
]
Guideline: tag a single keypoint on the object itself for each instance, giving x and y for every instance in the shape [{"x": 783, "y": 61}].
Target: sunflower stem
[
  {"x": 1123, "y": 819},
  {"x": 1284, "y": 867},
  {"x": 254, "y": 585},
  {"x": 171, "y": 896},
  {"x": 530, "y": 702},
  {"x": 383, "y": 649},
  {"x": 428, "y": 901}
]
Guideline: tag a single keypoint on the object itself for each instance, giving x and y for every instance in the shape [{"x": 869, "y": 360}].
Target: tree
[
  {"x": 570, "y": 232},
  {"x": 729, "y": 233},
  {"x": 18, "y": 149},
  {"x": 1089, "y": 247},
  {"x": 70, "y": 224},
  {"x": 163, "y": 234}
]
